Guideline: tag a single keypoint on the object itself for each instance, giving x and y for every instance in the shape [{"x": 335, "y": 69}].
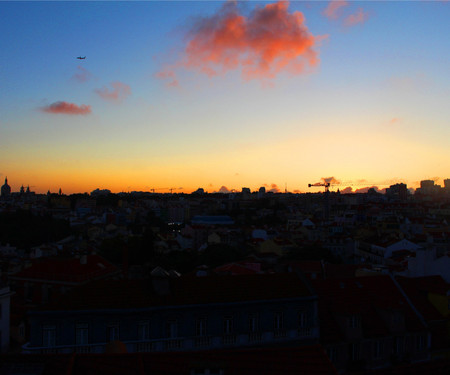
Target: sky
[{"x": 223, "y": 95}]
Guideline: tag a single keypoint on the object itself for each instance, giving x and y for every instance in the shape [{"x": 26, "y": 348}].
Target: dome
[{"x": 6, "y": 189}]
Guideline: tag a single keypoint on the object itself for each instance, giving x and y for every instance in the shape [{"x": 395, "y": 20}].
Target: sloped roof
[
  {"x": 417, "y": 289},
  {"x": 68, "y": 270},
  {"x": 122, "y": 294},
  {"x": 365, "y": 297}
]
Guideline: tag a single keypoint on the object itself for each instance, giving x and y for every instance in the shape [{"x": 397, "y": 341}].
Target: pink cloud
[
  {"x": 118, "y": 92},
  {"x": 334, "y": 9},
  {"x": 170, "y": 76},
  {"x": 67, "y": 108},
  {"x": 82, "y": 75},
  {"x": 268, "y": 41},
  {"x": 359, "y": 17}
]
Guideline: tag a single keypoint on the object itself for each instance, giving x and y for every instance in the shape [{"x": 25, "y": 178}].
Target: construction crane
[
  {"x": 325, "y": 184},
  {"x": 326, "y": 202}
]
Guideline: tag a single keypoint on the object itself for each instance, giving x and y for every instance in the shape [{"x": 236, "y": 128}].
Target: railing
[
  {"x": 278, "y": 334},
  {"x": 229, "y": 339},
  {"x": 305, "y": 332},
  {"x": 83, "y": 349},
  {"x": 173, "y": 344},
  {"x": 145, "y": 346},
  {"x": 255, "y": 337},
  {"x": 202, "y": 341},
  {"x": 177, "y": 343}
]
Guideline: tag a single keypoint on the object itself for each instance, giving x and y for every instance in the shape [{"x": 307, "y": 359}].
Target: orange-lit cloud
[
  {"x": 330, "y": 180},
  {"x": 268, "y": 41},
  {"x": 358, "y": 17},
  {"x": 367, "y": 188},
  {"x": 118, "y": 92},
  {"x": 82, "y": 75},
  {"x": 224, "y": 189},
  {"x": 334, "y": 9},
  {"x": 394, "y": 121},
  {"x": 274, "y": 189},
  {"x": 67, "y": 108},
  {"x": 347, "y": 190}
]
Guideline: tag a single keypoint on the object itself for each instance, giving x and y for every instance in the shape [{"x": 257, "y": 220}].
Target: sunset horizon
[{"x": 176, "y": 96}]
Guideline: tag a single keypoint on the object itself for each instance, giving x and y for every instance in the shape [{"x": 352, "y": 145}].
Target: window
[
  {"x": 228, "y": 325},
  {"x": 377, "y": 349},
  {"x": 82, "y": 334},
  {"x": 302, "y": 321},
  {"x": 332, "y": 353},
  {"x": 398, "y": 345},
  {"x": 253, "y": 323},
  {"x": 200, "y": 327},
  {"x": 144, "y": 330},
  {"x": 48, "y": 335},
  {"x": 354, "y": 351},
  {"x": 112, "y": 332},
  {"x": 420, "y": 341},
  {"x": 278, "y": 321},
  {"x": 354, "y": 321},
  {"x": 171, "y": 328}
]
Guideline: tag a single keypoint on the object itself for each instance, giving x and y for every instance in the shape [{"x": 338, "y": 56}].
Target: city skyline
[{"x": 183, "y": 95}]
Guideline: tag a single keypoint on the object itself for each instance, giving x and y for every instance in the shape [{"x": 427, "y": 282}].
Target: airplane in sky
[{"x": 81, "y": 57}]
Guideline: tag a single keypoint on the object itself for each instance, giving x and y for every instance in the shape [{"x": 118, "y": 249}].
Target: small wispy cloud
[
  {"x": 117, "y": 93},
  {"x": 338, "y": 10},
  {"x": 67, "y": 108},
  {"x": 360, "y": 16},
  {"x": 334, "y": 9},
  {"x": 394, "y": 120},
  {"x": 82, "y": 75}
]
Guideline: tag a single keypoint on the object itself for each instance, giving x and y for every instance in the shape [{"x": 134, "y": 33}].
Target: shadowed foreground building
[
  {"x": 168, "y": 313},
  {"x": 248, "y": 361}
]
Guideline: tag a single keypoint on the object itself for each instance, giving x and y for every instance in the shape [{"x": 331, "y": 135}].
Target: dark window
[
  {"x": 228, "y": 325},
  {"x": 200, "y": 327},
  {"x": 144, "y": 330},
  {"x": 48, "y": 335},
  {"x": 82, "y": 333},
  {"x": 112, "y": 332}
]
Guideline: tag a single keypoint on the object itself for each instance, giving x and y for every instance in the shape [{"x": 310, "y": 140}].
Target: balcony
[
  {"x": 172, "y": 344},
  {"x": 229, "y": 339},
  {"x": 255, "y": 337},
  {"x": 304, "y": 332},
  {"x": 279, "y": 334},
  {"x": 202, "y": 341}
]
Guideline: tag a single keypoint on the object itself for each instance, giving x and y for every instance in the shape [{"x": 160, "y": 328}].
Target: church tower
[{"x": 6, "y": 189}]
